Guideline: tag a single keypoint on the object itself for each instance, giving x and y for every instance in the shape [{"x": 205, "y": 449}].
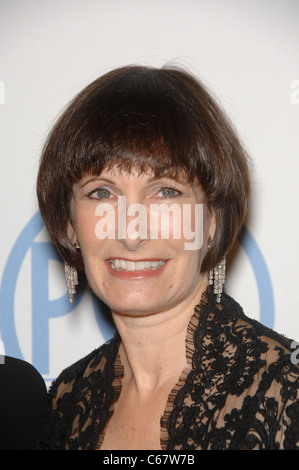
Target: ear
[
  {"x": 71, "y": 233},
  {"x": 71, "y": 225},
  {"x": 212, "y": 223}
]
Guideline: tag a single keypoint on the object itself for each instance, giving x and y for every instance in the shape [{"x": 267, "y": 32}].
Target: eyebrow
[
  {"x": 97, "y": 178},
  {"x": 104, "y": 179}
]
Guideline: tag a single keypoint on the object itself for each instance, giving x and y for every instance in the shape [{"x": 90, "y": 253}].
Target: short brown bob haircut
[{"x": 158, "y": 119}]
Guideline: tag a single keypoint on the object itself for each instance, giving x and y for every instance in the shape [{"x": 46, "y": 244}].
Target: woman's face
[{"x": 139, "y": 259}]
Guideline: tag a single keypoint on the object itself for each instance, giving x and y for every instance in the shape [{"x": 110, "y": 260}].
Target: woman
[{"x": 186, "y": 368}]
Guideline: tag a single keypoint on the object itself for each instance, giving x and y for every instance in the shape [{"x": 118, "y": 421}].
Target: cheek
[
  {"x": 183, "y": 222},
  {"x": 86, "y": 229},
  {"x": 188, "y": 226}
]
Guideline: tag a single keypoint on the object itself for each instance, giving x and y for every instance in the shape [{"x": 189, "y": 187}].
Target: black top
[
  {"x": 23, "y": 398},
  {"x": 239, "y": 391}
]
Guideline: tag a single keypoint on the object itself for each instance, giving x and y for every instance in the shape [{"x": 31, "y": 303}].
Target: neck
[{"x": 153, "y": 348}]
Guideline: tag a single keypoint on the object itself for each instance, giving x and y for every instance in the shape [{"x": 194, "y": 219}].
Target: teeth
[{"x": 123, "y": 265}]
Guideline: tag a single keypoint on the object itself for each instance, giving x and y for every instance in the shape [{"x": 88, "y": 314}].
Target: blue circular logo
[{"x": 44, "y": 309}]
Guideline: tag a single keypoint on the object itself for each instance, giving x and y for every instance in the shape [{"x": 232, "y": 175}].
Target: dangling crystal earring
[
  {"x": 71, "y": 277},
  {"x": 217, "y": 277},
  {"x": 211, "y": 275}
]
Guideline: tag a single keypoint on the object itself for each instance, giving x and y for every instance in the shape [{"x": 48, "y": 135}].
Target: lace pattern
[{"x": 239, "y": 390}]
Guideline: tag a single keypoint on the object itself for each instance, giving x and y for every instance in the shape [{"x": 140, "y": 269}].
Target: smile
[{"x": 132, "y": 266}]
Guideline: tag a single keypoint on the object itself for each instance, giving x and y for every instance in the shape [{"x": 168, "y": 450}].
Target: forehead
[{"x": 116, "y": 174}]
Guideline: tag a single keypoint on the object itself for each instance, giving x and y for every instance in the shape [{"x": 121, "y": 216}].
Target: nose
[
  {"x": 132, "y": 245},
  {"x": 132, "y": 224}
]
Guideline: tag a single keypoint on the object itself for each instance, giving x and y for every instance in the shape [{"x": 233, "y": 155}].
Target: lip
[{"x": 136, "y": 275}]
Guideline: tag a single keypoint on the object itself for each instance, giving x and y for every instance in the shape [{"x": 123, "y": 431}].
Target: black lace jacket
[{"x": 240, "y": 391}]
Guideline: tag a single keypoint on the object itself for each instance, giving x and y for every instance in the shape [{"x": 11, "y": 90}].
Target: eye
[
  {"x": 168, "y": 192},
  {"x": 100, "y": 193}
]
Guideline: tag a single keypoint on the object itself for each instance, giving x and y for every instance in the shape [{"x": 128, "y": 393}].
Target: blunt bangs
[
  {"x": 136, "y": 118},
  {"x": 159, "y": 120}
]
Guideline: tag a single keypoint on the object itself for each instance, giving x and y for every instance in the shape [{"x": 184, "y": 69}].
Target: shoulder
[
  {"x": 255, "y": 374},
  {"x": 85, "y": 367},
  {"x": 82, "y": 389},
  {"x": 246, "y": 351},
  {"x": 271, "y": 358},
  {"x": 18, "y": 376},
  {"x": 22, "y": 403},
  {"x": 251, "y": 330}
]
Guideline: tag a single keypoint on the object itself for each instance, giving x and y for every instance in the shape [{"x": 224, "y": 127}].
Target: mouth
[
  {"x": 135, "y": 270},
  {"x": 132, "y": 266}
]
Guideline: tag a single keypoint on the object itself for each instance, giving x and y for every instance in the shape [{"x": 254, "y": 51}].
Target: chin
[{"x": 134, "y": 306}]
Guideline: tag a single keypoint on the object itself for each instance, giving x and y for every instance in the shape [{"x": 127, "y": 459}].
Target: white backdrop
[{"x": 246, "y": 51}]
